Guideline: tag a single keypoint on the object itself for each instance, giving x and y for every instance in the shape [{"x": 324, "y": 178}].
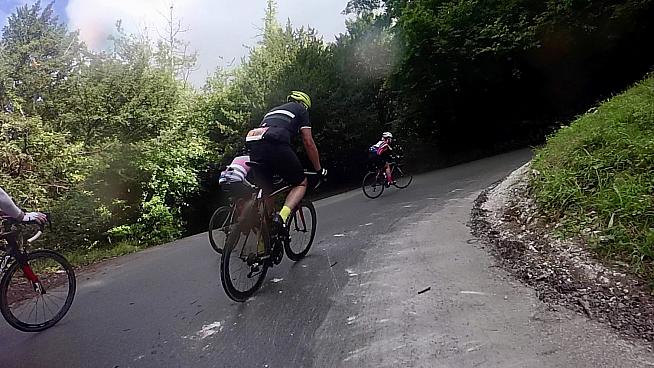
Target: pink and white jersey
[
  {"x": 237, "y": 171},
  {"x": 380, "y": 147}
]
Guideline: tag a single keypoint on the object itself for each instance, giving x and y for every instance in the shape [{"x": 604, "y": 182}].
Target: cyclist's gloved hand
[{"x": 37, "y": 217}]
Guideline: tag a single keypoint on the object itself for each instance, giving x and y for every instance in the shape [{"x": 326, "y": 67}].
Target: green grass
[
  {"x": 83, "y": 257},
  {"x": 597, "y": 177}
]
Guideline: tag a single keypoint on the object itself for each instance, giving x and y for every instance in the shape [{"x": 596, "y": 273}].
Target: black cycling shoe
[{"x": 278, "y": 225}]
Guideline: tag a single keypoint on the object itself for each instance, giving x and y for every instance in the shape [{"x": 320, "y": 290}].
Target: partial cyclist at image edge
[
  {"x": 9, "y": 208},
  {"x": 271, "y": 145},
  {"x": 37, "y": 287},
  {"x": 380, "y": 154}
]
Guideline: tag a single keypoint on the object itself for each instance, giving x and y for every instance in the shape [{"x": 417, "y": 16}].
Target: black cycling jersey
[
  {"x": 284, "y": 122},
  {"x": 270, "y": 144}
]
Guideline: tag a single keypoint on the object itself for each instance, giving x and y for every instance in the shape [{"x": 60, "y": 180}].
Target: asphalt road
[{"x": 353, "y": 302}]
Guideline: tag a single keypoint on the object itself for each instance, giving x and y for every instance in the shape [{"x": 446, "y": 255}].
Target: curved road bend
[{"x": 353, "y": 302}]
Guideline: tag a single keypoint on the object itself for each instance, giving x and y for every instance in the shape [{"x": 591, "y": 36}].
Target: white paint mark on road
[
  {"x": 350, "y": 320},
  {"x": 472, "y": 292},
  {"x": 474, "y": 348},
  {"x": 456, "y": 190},
  {"x": 339, "y": 235},
  {"x": 206, "y": 331},
  {"x": 304, "y": 266},
  {"x": 139, "y": 357},
  {"x": 384, "y": 320},
  {"x": 354, "y": 353},
  {"x": 351, "y": 273},
  {"x": 210, "y": 330},
  {"x": 408, "y": 206},
  {"x": 276, "y": 280},
  {"x": 368, "y": 224}
]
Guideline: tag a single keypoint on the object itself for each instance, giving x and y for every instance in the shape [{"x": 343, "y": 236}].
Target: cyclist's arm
[
  {"x": 8, "y": 207},
  {"x": 310, "y": 148}
]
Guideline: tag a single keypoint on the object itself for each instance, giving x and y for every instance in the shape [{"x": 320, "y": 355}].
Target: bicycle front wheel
[
  {"x": 402, "y": 179},
  {"x": 241, "y": 270},
  {"x": 373, "y": 184},
  {"x": 302, "y": 230},
  {"x": 219, "y": 226},
  {"x": 37, "y": 295}
]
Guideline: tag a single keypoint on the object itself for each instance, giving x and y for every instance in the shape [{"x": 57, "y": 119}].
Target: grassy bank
[
  {"x": 85, "y": 257},
  {"x": 597, "y": 177}
]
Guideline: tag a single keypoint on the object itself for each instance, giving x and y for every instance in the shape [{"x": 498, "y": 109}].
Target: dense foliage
[{"x": 120, "y": 148}]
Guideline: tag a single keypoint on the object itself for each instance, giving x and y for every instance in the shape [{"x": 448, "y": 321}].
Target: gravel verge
[{"x": 562, "y": 271}]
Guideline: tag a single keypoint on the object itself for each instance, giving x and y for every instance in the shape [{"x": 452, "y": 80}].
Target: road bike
[
  {"x": 250, "y": 247},
  {"x": 37, "y": 287},
  {"x": 374, "y": 182}
]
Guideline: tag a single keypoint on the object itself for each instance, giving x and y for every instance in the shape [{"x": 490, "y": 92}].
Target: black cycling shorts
[
  {"x": 379, "y": 161},
  {"x": 277, "y": 158}
]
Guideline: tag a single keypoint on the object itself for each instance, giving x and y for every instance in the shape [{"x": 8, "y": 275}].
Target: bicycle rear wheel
[
  {"x": 302, "y": 230},
  {"x": 219, "y": 226},
  {"x": 242, "y": 271},
  {"x": 40, "y": 295},
  {"x": 402, "y": 179},
  {"x": 373, "y": 184}
]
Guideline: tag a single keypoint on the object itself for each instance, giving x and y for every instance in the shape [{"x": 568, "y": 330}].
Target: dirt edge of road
[{"x": 563, "y": 272}]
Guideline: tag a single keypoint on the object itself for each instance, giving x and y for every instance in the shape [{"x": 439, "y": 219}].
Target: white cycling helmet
[{"x": 387, "y": 135}]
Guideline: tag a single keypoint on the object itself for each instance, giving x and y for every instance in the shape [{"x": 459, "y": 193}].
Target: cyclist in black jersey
[{"x": 270, "y": 144}]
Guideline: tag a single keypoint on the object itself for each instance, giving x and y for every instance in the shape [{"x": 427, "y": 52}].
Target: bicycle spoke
[
  {"x": 36, "y": 309},
  {"x": 27, "y": 310},
  {"x": 52, "y": 313},
  {"x": 55, "y": 296}
]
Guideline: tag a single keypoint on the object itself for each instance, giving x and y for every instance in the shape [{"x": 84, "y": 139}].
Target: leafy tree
[
  {"x": 173, "y": 53},
  {"x": 120, "y": 96},
  {"x": 36, "y": 163},
  {"x": 38, "y": 56}
]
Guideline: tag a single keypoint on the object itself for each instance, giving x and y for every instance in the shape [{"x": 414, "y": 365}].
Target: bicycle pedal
[{"x": 254, "y": 271}]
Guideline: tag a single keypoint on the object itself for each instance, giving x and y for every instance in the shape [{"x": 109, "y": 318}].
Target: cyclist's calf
[{"x": 296, "y": 194}]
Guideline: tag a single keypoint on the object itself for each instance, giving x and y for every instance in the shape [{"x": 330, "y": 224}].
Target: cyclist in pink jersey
[{"x": 380, "y": 154}]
